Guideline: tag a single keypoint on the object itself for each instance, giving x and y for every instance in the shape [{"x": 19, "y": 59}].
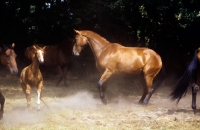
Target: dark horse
[
  {"x": 190, "y": 77},
  {"x": 32, "y": 77},
  {"x": 113, "y": 58},
  {"x": 57, "y": 55},
  {"x": 8, "y": 59}
]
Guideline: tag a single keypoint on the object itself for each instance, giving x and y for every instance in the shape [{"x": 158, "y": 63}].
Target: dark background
[{"x": 171, "y": 28}]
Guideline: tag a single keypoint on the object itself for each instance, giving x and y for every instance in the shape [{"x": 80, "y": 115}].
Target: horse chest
[{"x": 34, "y": 80}]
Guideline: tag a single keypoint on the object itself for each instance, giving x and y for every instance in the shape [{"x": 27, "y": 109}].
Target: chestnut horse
[
  {"x": 113, "y": 58},
  {"x": 8, "y": 59},
  {"x": 57, "y": 55},
  {"x": 32, "y": 77},
  {"x": 191, "y": 78}
]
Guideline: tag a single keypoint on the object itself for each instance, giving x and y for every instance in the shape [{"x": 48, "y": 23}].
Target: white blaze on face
[{"x": 40, "y": 55}]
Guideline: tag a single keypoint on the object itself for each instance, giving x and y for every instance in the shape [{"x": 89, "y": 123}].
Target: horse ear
[
  {"x": 77, "y": 31},
  {"x": 13, "y": 45},
  {"x": 34, "y": 47},
  {"x": 44, "y": 47}
]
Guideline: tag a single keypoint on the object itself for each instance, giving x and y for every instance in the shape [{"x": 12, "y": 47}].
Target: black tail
[
  {"x": 159, "y": 79},
  {"x": 182, "y": 85}
]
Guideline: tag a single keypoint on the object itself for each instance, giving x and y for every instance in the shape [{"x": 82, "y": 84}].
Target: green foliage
[{"x": 148, "y": 23}]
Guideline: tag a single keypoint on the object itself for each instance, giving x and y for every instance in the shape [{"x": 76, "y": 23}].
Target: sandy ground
[{"x": 78, "y": 107}]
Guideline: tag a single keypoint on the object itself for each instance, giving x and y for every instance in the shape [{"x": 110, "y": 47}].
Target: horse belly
[{"x": 129, "y": 70}]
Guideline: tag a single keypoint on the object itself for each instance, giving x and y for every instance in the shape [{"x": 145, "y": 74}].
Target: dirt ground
[{"x": 78, "y": 107}]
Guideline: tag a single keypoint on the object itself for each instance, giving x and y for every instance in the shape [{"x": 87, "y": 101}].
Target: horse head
[
  {"x": 8, "y": 58},
  {"x": 80, "y": 42},
  {"x": 39, "y": 53}
]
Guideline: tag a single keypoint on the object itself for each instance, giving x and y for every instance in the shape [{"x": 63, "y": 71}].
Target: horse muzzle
[
  {"x": 76, "y": 53},
  {"x": 14, "y": 71}
]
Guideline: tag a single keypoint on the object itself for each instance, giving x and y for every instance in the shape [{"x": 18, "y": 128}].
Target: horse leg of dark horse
[
  {"x": 195, "y": 89},
  {"x": 2, "y": 101},
  {"x": 61, "y": 75},
  {"x": 143, "y": 83},
  {"x": 102, "y": 87},
  {"x": 64, "y": 74}
]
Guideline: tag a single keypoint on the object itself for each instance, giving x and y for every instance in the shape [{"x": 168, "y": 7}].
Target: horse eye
[{"x": 7, "y": 56}]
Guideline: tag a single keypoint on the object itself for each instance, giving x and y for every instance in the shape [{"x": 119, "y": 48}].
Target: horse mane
[
  {"x": 93, "y": 35},
  {"x": 183, "y": 83}
]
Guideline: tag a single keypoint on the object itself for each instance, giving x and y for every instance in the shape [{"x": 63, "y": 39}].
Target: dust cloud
[{"x": 80, "y": 100}]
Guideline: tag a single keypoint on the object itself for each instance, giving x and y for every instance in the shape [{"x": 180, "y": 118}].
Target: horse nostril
[{"x": 15, "y": 72}]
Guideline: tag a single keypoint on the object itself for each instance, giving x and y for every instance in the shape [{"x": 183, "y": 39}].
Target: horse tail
[
  {"x": 159, "y": 78},
  {"x": 181, "y": 86}
]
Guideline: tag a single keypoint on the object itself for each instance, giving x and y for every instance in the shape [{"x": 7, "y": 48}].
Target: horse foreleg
[
  {"x": 39, "y": 90},
  {"x": 2, "y": 101},
  {"x": 102, "y": 85},
  {"x": 27, "y": 93},
  {"x": 195, "y": 89},
  {"x": 38, "y": 99}
]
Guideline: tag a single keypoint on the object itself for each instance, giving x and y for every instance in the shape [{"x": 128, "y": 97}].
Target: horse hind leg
[
  {"x": 195, "y": 89},
  {"x": 150, "y": 90},
  {"x": 143, "y": 83}
]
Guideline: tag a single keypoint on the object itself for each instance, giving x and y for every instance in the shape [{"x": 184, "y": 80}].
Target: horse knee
[{"x": 28, "y": 92}]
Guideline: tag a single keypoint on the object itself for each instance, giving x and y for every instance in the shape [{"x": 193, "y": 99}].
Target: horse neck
[
  {"x": 97, "y": 45},
  {"x": 2, "y": 58},
  {"x": 35, "y": 65}
]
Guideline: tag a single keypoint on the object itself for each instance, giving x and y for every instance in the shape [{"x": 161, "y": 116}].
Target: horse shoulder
[{"x": 25, "y": 76}]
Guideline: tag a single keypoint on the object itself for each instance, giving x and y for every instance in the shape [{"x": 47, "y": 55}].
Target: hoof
[
  {"x": 142, "y": 103},
  {"x": 104, "y": 101},
  {"x": 197, "y": 112},
  {"x": 38, "y": 108}
]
